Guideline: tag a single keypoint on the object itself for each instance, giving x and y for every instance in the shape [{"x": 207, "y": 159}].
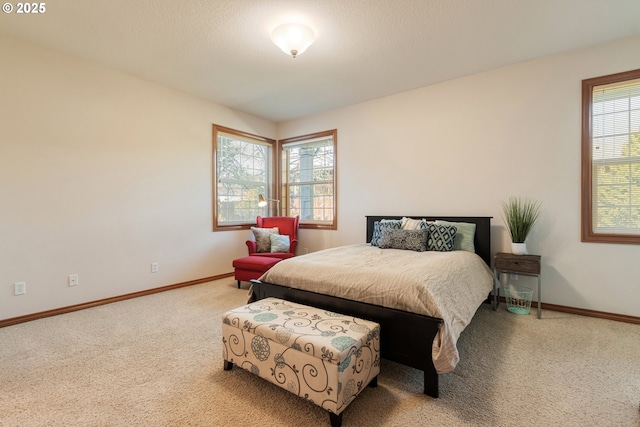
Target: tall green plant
[{"x": 520, "y": 215}]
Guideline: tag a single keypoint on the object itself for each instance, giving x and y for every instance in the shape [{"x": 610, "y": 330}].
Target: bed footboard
[{"x": 405, "y": 337}]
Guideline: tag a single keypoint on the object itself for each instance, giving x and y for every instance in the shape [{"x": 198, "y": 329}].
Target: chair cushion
[{"x": 279, "y": 255}]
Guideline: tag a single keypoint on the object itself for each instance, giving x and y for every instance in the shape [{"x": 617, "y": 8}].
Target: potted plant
[{"x": 520, "y": 215}]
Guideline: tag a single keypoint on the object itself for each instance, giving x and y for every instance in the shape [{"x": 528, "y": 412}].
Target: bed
[{"x": 409, "y": 335}]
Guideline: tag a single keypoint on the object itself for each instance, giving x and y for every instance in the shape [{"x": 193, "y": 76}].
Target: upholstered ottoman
[
  {"x": 252, "y": 267},
  {"x": 324, "y": 357}
]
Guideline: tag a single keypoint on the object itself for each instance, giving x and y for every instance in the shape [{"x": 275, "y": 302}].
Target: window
[
  {"x": 611, "y": 158},
  {"x": 309, "y": 179},
  {"x": 243, "y": 169}
]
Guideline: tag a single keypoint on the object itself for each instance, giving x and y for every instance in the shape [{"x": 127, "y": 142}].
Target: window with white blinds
[
  {"x": 611, "y": 158},
  {"x": 243, "y": 169},
  {"x": 309, "y": 179}
]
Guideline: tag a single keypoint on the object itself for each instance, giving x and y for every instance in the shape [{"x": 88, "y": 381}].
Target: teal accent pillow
[
  {"x": 441, "y": 237},
  {"x": 465, "y": 235},
  {"x": 279, "y": 242}
]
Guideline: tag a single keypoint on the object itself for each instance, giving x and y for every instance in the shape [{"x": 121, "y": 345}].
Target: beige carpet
[{"x": 156, "y": 361}]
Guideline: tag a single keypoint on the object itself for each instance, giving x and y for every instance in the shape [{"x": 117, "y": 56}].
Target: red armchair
[{"x": 288, "y": 225}]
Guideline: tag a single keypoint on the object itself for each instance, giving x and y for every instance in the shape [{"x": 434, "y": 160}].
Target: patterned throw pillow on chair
[
  {"x": 441, "y": 237},
  {"x": 263, "y": 241}
]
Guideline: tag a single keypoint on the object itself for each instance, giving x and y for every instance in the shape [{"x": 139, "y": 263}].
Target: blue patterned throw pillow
[
  {"x": 412, "y": 240},
  {"x": 441, "y": 237},
  {"x": 379, "y": 226}
]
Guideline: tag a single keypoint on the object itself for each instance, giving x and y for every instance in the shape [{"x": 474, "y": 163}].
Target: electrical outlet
[
  {"x": 154, "y": 267},
  {"x": 19, "y": 288},
  {"x": 73, "y": 280},
  {"x": 513, "y": 276}
]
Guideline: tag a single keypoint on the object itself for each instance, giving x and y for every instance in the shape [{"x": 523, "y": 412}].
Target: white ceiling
[{"x": 221, "y": 50}]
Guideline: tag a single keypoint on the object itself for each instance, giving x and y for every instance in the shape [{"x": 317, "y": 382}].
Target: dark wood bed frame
[{"x": 405, "y": 337}]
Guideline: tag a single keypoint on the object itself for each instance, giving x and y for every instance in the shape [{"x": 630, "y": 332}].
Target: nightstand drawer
[{"x": 525, "y": 264}]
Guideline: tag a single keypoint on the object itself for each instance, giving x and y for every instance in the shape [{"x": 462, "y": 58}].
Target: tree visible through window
[
  {"x": 611, "y": 158},
  {"x": 243, "y": 169},
  {"x": 309, "y": 179}
]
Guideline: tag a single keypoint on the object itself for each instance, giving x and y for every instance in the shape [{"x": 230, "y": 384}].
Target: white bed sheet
[{"x": 447, "y": 285}]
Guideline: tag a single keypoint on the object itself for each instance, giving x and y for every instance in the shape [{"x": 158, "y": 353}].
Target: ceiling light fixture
[{"x": 293, "y": 39}]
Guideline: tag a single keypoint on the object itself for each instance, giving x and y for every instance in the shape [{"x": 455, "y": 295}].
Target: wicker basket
[{"x": 518, "y": 299}]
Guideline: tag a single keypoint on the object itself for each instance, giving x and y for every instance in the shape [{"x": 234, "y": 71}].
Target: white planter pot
[{"x": 518, "y": 248}]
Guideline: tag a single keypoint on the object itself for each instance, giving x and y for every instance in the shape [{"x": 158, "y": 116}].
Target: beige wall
[
  {"x": 463, "y": 146},
  {"x": 102, "y": 174}
]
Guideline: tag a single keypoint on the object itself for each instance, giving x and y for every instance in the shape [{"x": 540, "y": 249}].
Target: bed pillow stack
[{"x": 407, "y": 233}]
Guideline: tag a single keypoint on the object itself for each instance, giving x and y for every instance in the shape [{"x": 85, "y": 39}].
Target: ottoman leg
[
  {"x": 374, "y": 382},
  {"x": 336, "y": 420},
  {"x": 228, "y": 365},
  {"x": 238, "y": 284}
]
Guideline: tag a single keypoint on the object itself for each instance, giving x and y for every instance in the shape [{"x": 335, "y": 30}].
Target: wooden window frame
[
  {"x": 284, "y": 168},
  {"x": 271, "y": 185},
  {"x": 588, "y": 235},
  {"x": 277, "y": 189}
]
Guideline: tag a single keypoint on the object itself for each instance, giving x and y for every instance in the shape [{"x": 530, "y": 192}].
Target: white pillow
[
  {"x": 279, "y": 242},
  {"x": 412, "y": 224}
]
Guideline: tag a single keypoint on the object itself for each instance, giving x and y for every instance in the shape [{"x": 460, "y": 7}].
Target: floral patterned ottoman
[{"x": 325, "y": 357}]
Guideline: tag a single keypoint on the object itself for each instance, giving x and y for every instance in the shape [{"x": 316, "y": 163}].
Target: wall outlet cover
[
  {"x": 73, "y": 280},
  {"x": 20, "y": 288}
]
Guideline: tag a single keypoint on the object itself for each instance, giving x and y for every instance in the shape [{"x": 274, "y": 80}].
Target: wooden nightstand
[{"x": 528, "y": 265}]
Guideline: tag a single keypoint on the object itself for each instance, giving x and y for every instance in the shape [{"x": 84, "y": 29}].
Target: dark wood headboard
[{"x": 482, "y": 241}]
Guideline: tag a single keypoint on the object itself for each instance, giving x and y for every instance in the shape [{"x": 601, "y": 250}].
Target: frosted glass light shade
[{"x": 293, "y": 39}]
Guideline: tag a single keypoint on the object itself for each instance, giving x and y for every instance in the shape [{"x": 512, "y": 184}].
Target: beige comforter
[{"x": 448, "y": 285}]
